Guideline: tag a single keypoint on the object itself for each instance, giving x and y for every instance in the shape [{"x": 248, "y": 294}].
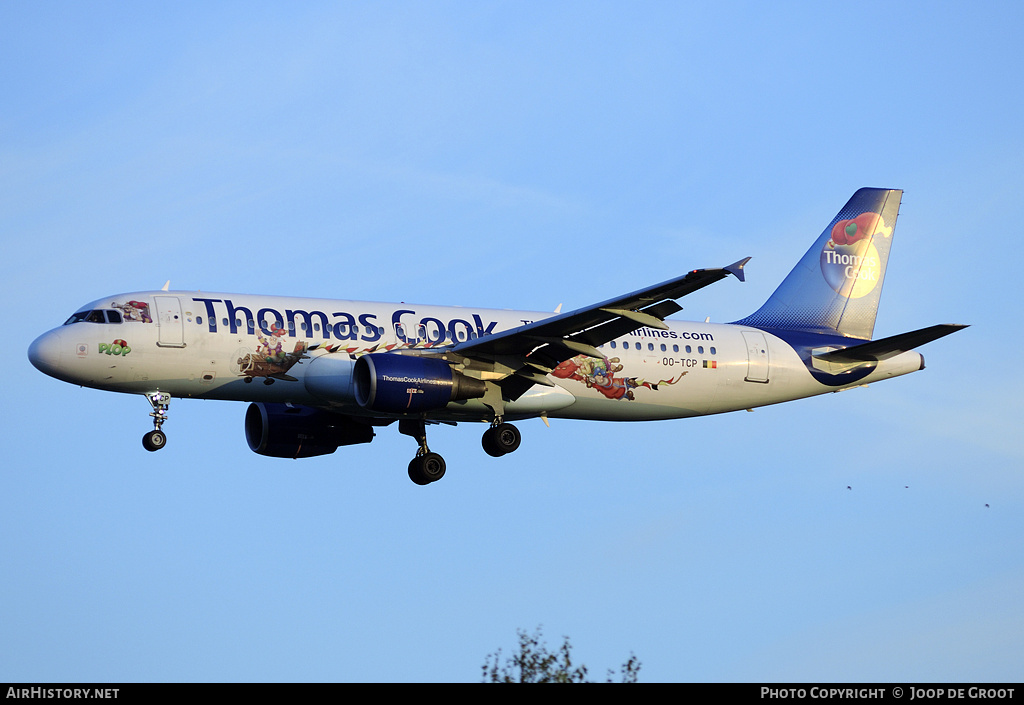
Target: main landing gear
[
  {"x": 498, "y": 440},
  {"x": 426, "y": 467},
  {"x": 157, "y": 439},
  {"x": 501, "y": 438}
]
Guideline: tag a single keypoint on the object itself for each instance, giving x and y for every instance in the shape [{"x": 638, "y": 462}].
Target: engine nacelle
[
  {"x": 286, "y": 431},
  {"x": 399, "y": 384},
  {"x": 329, "y": 377}
]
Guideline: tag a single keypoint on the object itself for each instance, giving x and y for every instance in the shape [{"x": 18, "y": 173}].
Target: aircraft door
[
  {"x": 757, "y": 356},
  {"x": 170, "y": 324}
]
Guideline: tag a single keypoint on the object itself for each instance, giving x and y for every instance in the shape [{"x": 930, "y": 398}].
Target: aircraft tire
[
  {"x": 433, "y": 467},
  {"x": 490, "y": 444},
  {"x": 154, "y": 440},
  {"x": 426, "y": 468},
  {"x": 416, "y": 472},
  {"x": 506, "y": 438}
]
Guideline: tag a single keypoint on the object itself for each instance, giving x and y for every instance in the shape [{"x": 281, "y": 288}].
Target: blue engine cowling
[
  {"x": 287, "y": 431},
  {"x": 398, "y": 384}
]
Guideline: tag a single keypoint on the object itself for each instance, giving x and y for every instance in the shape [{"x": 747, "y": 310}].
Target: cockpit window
[
  {"x": 95, "y": 316},
  {"x": 76, "y": 317}
]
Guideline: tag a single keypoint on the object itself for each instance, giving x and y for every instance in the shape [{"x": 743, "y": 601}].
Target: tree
[{"x": 535, "y": 664}]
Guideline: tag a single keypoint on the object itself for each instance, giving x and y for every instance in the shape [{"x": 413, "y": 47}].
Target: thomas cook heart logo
[{"x": 849, "y": 260}]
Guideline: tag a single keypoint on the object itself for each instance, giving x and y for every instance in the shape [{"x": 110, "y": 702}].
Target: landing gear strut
[
  {"x": 426, "y": 467},
  {"x": 501, "y": 438},
  {"x": 157, "y": 439}
]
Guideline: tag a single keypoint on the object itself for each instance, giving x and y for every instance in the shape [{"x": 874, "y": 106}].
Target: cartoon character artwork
[
  {"x": 270, "y": 359},
  {"x": 600, "y": 374},
  {"x": 137, "y": 311}
]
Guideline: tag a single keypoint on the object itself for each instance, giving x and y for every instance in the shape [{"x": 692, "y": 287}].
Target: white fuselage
[{"x": 301, "y": 351}]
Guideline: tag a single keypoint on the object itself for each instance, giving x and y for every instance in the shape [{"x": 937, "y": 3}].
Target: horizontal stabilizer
[{"x": 889, "y": 347}]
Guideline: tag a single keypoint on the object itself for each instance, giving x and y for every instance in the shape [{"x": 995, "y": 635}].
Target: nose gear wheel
[{"x": 157, "y": 439}]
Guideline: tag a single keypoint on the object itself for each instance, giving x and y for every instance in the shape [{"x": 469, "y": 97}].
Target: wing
[{"x": 529, "y": 352}]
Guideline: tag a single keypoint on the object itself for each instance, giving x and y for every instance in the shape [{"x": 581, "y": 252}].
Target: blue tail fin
[{"x": 836, "y": 286}]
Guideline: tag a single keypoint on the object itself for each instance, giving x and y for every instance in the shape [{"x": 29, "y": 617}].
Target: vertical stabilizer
[{"x": 836, "y": 286}]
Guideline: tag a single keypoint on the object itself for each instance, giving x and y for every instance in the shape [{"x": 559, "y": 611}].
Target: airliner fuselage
[
  {"x": 302, "y": 351},
  {"x": 320, "y": 374}
]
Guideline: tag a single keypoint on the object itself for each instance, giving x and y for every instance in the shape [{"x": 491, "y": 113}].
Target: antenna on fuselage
[{"x": 166, "y": 286}]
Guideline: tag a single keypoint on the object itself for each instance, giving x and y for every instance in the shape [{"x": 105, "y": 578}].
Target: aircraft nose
[{"x": 44, "y": 353}]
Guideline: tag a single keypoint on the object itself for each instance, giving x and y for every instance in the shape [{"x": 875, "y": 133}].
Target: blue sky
[{"x": 514, "y": 155}]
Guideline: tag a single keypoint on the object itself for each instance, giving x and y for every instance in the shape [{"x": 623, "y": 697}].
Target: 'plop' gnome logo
[{"x": 849, "y": 260}]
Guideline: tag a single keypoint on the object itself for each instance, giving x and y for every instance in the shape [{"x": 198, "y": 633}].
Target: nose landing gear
[{"x": 157, "y": 439}]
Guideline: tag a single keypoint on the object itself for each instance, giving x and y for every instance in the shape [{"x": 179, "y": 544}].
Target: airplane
[{"x": 357, "y": 366}]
